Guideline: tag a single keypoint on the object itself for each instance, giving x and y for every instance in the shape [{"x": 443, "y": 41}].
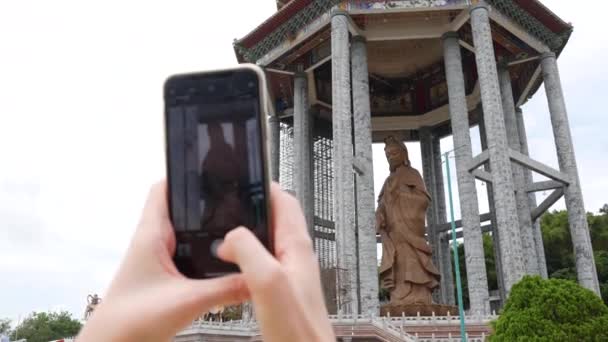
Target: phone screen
[{"x": 216, "y": 169}]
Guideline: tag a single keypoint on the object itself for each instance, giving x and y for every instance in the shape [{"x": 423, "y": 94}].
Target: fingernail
[{"x": 215, "y": 246}]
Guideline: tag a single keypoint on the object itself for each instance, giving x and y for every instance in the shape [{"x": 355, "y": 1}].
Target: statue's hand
[
  {"x": 388, "y": 284},
  {"x": 380, "y": 220}
]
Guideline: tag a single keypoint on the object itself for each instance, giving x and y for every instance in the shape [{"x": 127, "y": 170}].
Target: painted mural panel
[
  {"x": 415, "y": 94},
  {"x": 397, "y": 4},
  {"x": 438, "y": 87},
  {"x": 392, "y": 104}
]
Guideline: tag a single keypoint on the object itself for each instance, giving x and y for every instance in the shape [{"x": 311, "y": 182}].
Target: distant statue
[
  {"x": 214, "y": 314},
  {"x": 406, "y": 270},
  {"x": 92, "y": 302}
]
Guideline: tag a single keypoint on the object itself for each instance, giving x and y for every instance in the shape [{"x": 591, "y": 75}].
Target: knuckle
[
  {"x": 289, "y": 200},
  {"x": 236, "y": 235},
  {"x": 293, "y": 202},
  {"x": 272, "y": 277},
  {"x": 304, "y": 245}
]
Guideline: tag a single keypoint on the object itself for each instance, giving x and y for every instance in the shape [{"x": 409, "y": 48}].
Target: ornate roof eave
[
  {"x": 538, "y": 81},
  {"x": 555, "y": 41},
  {"x": 279, "y": 28},
  {"x": 282, "y": 3},
  {"x": 548, "y": 11},
  {"x": 287, "y": 29}
]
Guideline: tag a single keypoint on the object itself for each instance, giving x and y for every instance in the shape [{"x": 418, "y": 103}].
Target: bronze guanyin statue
[{"x": 406, "y": 270}]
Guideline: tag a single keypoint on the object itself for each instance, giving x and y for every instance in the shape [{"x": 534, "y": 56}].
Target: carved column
[
  {"x": 504, "y": 191},
  {"x": 537, "y": 232},
  {"x": 521, "y": 195},
  {"x": 344, "y": 192},
  {"x": 366, "y": 221},
  {"x": 302, "y": 127},
  {"x": 469, "y": 207},
  {"x": 274, "y": 135},
  {"x": 492, "y": 205},
  {"x": 577, "y": 217},
  {"x": 444, "y": 251},
  {"x": 193, "y": 206},
  {"x": 426, "y": 151}
]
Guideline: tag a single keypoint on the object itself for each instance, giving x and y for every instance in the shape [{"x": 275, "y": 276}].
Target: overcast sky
[{"x": 81, "y": 135}]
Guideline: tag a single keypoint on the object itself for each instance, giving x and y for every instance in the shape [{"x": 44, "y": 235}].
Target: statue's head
[{"x": 396, "y": 153}]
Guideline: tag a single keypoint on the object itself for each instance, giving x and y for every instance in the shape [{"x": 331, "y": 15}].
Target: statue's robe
[
  {"x": 406, "y": 269},
  {"x": 221, "y": 178}
]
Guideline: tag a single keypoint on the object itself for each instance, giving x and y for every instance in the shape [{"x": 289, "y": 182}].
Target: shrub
[{"x": 551, "y": 310}]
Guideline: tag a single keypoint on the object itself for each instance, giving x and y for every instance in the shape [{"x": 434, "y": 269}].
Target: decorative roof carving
[
  {"x": 295, "y": 15},
  {"x": 287, "y": 29},
  {"x": 529, "y": 23}
]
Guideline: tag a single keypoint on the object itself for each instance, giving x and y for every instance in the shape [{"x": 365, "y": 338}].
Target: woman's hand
[
  {"x": 149, "y": 300},
  {"x": 286, "y": 288}
]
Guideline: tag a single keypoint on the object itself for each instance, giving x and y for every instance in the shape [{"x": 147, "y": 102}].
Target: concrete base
[{"x": 414, "y": 310}]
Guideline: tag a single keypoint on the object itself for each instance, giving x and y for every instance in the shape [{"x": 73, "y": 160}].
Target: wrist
[{"x": 103, "y": 325}]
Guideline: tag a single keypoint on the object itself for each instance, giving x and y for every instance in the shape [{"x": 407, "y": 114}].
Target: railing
[
  {"x": 224, "y": 325},
  {"x": 395, "y": 326},
  {"x": 469, "y": 319}
]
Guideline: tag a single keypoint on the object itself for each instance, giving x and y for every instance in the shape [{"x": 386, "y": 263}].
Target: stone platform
[{"x": 418, "y": 310}]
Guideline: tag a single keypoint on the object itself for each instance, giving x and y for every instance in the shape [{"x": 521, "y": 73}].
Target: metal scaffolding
[{"x": 324, "y": 230}]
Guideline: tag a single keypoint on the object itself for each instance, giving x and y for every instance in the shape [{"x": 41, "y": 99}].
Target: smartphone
[{"x": 217, "y": 168}]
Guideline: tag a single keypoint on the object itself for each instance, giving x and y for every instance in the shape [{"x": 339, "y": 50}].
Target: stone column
[
  {"x": 579, "y": 230},
  {"x": 502, "y": 179},
  {"x": 492, "y": 205},
  {"x": 521, "y": 195},
  {"x": 274, "y": 137},
  {"x": 193, "y": 206},
  {"x": 366, "y": 220},
  {"x": 302, "y": 132},
  {"x": 428, "y": 172},
  {"x": 344, "y": 192},
  {"x": 537, "y": 232},
  {"x": 443, "y": 251},
  {"x": 469, "y": 207}
]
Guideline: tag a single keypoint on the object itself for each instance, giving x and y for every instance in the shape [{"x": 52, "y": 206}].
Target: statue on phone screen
[
  {"x": 406, "y": 270},
  {"x": 220, "y": 183}
]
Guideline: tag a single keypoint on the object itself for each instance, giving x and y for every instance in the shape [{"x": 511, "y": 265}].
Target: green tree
[
  {"x": 46, "y": 326},
  {"x": 488, "y": 248},
  {"x": 557, "y": 241},
  {"x": 5, "y": 326},
  {"x": 558, "y": 246},
  {"x": 598, "y": 227},
  {"x": 551, "y": 310}
]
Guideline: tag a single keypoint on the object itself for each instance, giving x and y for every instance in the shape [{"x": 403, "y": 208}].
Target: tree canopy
[
  {"x": 559, "y": 252},
  {"x": 5, "y": 326},
  {"x": 46, "y": 326},
  {"x": 551, "y": 310}
]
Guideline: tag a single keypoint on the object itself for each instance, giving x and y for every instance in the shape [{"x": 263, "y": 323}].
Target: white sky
[{"x": 81, "y": 135}]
